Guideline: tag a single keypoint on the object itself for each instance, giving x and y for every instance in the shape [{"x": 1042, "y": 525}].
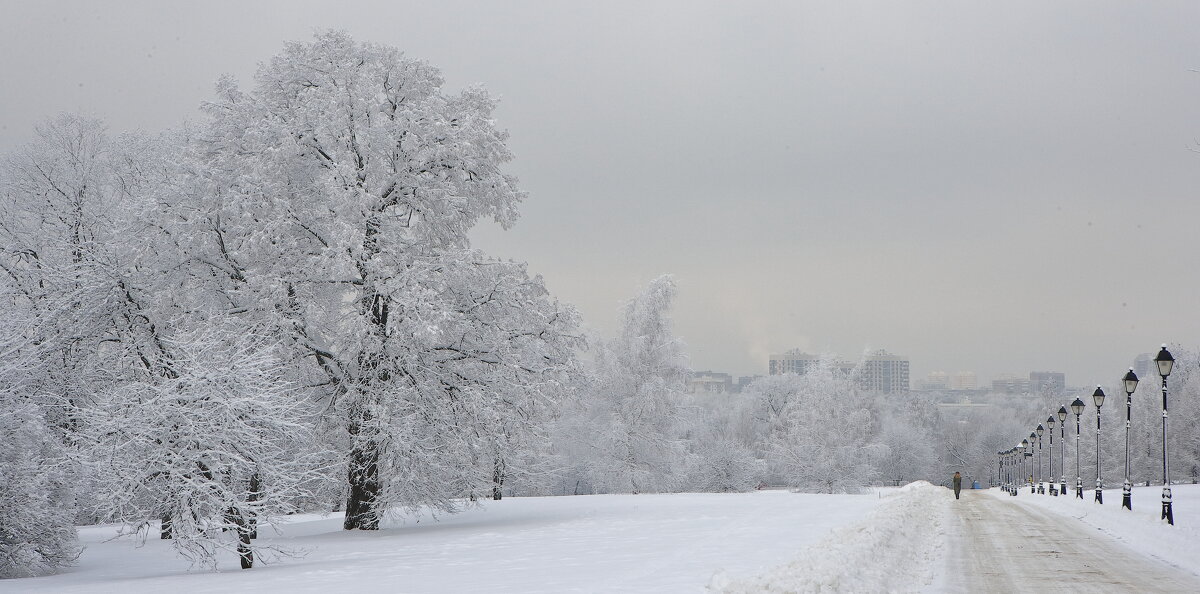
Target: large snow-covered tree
[{"x": 332, "y": 202}]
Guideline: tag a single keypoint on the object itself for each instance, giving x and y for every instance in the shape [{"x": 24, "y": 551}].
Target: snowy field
[
  {"x": 602, "y": 543},
  {"x": 768, "y": 541}
]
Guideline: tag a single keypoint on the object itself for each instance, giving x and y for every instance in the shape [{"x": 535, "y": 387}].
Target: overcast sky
[{"x": 998, "y": 187}]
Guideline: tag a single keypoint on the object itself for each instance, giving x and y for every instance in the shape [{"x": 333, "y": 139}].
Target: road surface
[{"x": 996, "y": 545}]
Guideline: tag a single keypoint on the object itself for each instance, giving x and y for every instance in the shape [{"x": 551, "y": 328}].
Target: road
[{"x": 996, "y": 545}]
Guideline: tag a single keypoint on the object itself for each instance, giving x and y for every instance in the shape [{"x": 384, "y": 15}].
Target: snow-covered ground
[
  {"x": 603, "y": 543},
  {"x": 768, "y": 541}
]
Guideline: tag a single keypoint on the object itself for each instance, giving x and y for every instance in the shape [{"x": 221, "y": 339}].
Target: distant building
[
  {"x": 793, "y": 361},
  {"x": 880, "y": 371},
  {"x": 710, "y": 382},
  {"x": 884, "y": 372},
  {"x": 744, "y": 381},
  {"x": 964, "y": 380},
  {"x": 1142, "y": 365},
  {"x": 1047, "y": 381},
  {"x": 1008, "y": 383},
  {"x": 936, "y": 380}
]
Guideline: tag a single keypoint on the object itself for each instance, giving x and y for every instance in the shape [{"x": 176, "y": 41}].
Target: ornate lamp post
[
  {"x": 1062, "y": 456},
  {"x": 1131, "y": 382},
  {"x": 1032, "y": 471},
  {"x": 1165, "y": 362},
  {"x": 1077, "y": 408},
  {"x": 1007, "y": 458},
  {"x": 1039, "y": 431},
  {"x": 1023, "y": 452},
  {"x": 1050, "y": 460},
  {"x": 1012, "y": 469},
  {"x": 1002, "y": 480},
  {"x": 1098, "y": 398}
]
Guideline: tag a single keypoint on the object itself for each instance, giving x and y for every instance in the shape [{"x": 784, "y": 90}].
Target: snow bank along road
[{"x": 1036, "y": 543}]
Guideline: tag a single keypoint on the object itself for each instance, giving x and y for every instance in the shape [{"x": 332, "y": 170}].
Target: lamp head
[
  {"x": 1165, "y": 361},
  {"x": 1131, "y": 381}
]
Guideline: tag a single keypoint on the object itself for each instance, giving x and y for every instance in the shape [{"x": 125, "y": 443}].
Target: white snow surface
[
  {"x": 893, "y": 549},
  {"x": 890, "y": 540},
  {"x": 597, "y": 543}
]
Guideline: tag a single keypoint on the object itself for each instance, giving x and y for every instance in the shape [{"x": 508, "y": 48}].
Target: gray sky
[{"x": 987, "y": 186}]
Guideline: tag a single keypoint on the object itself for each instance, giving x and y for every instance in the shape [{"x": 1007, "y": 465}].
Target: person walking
[{"x": 957, "y": 483}]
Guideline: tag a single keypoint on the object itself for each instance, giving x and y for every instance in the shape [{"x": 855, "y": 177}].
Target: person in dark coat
[{"x": 957, "y": 484}]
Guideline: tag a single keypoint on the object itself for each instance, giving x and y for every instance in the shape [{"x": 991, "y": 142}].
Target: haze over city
[{"x": 998, "y": 188}]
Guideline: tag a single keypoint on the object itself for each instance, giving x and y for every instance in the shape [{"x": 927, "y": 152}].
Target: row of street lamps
[{"x": 1014, "y": 461}]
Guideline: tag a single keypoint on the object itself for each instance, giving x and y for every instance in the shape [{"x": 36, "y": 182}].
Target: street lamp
[
  {"x": 1062, "y": 456},
  {"x": 1041, "y": 488},
  {"x": 1014, "y": 459},
  {"x": 1131, "y": 382},
  {"x": 1098, "y": 398},
  {"x": 1050, "y": 463},
  {"x": 1008, "y": 471},
  {"x": 1032, "y": 470},
  {"x": 1000, "y": 468},
  {"x": 1023, "y": 452},
  {"x": 1165, "y": 362},
  {"x": 1077, "y": 408}
]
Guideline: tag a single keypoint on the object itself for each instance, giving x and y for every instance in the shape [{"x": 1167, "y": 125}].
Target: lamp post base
[
  {"x": 1127, "y": 495},
  {"x": 1099, "y": 495},
  {"x": 1062, "y": 489},
  {"x": 1041, "y": 489},
  {"x": 1079, "y": 487},
  {"x": 1166, "y": 510}
]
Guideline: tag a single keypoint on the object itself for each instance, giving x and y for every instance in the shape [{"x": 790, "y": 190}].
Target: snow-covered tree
[
  {"x": 637, "y": 399},
  {"x": 332, "y": 202},
  {"x": 826, "y": 443},
  {"x": 212, "y": 449}
]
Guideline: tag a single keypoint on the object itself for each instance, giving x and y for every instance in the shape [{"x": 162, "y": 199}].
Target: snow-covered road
[{"x": 999, "y": 545}]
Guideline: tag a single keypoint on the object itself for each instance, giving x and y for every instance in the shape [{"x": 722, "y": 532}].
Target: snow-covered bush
[
  {"x": 723, "y": 465},
  {"x": 217, "y": 446},
  {"x": 37, "y": 535}
]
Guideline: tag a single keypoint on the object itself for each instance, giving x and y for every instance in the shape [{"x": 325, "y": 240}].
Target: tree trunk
[
  {"x": 254, "y": 496},
  {"x": 245, "y": 553},
  {"x": 498, "y": 479},
  {"x": 361, "y": 512},
  {"x": 165, "y": 532}
]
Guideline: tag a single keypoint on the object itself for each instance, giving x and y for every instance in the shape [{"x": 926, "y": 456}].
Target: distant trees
[{"x": 630, "y": 421}]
